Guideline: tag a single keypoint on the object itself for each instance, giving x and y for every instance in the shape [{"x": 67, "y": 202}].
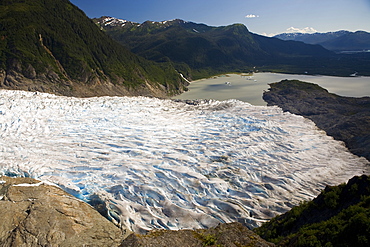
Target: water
[
  {"x": 170, "y": 165},
  {"x": 250, "y": 89}
]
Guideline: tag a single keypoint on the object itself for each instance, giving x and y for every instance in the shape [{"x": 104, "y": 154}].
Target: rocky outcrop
[
  {"x": 345, "y": 118},
  {"x": 37, "y": 214},
  {"x": 230, "y": 235}
]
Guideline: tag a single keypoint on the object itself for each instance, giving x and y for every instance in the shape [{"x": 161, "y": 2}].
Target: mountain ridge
[
  {"x": 339, "y": 41},
  {"x": 198, "y": 50}
]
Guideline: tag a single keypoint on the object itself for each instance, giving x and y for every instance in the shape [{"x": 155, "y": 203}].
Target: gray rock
[{"x": 37, "y": 214}]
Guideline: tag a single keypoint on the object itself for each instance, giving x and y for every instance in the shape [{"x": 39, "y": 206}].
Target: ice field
[{"x": 171, "y": 165}]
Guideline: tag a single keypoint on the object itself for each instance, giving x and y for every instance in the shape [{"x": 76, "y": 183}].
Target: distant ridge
[
  {"x": 52, "y": 46},
  {"x": 336, "y": 41}
]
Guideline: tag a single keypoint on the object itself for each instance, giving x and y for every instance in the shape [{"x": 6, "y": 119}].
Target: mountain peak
[
  {"x": 108, "y": 21},
  {"x": 112, "y": 21}
]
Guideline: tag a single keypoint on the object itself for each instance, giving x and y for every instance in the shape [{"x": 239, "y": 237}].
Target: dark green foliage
[
  {"x": 44, "y": 33},
  {"x": 198, "y": 50},
  {"x": 356, "y": 41},
  {"x": 212, "y": 50},
  {"x": 296, "y": 84},
  {"x": 339, "y": 216}
]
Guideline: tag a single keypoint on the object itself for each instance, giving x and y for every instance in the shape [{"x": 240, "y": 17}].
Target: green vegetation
[
  {"x": 295, "y": 84},
  {"x": 199, "y": 51},
  {"x": 57, "y": 35},
  {"x": 208, "y": 239},
  {"x": 339, "y": 216}
]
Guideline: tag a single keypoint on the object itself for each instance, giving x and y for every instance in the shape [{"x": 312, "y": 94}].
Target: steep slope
[
  {"x": 53, "y": 46},
  {"x": 339, "y": 216},
  {"x": 198, "y": 50}
]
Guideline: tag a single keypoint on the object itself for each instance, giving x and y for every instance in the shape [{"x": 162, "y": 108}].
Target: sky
[{"x": 266, "y": 17}]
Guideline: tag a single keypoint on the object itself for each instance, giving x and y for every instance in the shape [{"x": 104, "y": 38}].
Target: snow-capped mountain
[
  {"x": 112, "y": 22},
  {"x": 335, "y": 41},
  {"x": 311, "y": 38}
]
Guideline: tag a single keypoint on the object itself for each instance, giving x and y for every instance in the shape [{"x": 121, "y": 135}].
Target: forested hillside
[
  {"x": 339, "y": 216},
  {"x": 53, "y": 46},
  {"x": 198, "y": 50}
]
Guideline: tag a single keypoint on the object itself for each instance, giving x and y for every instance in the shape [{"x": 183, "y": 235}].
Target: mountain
[
  {"x": 198, "y": 50},
  {"x": 339, "y": 216},
  {"x": 311, "y": 38},
  {"x": 357, "y": 41},
  {"x": 334, "y": 41},
  {"x": 52, "y": 46}
]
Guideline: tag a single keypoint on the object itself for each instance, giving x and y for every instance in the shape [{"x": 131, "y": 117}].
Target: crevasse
[{"x": 166, "y": 164}]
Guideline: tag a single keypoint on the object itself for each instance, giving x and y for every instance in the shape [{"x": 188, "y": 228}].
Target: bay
[{"x": 250, "y": 88}]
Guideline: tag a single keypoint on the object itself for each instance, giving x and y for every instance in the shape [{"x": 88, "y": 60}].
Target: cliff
[{"x": 345, "y": 118}]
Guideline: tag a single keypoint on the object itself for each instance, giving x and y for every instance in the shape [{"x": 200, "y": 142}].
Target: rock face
[
  {"x": 345, "y": 118},
  {"x": 37, "y": 214},
  {"x": 230, "y": 235},
  {"x": 34, "y": 213}
]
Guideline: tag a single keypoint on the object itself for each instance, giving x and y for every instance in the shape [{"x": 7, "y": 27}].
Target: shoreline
[
  {"x": 344, "y": 118},
  {"x": 250, "y": 90}
]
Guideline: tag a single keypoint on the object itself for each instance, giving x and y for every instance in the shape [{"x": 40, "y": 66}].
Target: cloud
[
  {"x": 251, "y": 16},
  {"x": 301, "y": 30}
]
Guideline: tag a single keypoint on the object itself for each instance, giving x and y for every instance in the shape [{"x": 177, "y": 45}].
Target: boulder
[{"x": 35, "y": 213}]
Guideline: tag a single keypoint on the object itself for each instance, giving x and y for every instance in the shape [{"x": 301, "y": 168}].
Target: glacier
[{"x": 160, "y": 163}]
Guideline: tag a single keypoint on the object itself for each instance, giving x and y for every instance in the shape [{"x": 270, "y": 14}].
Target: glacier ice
[{"x": 165, "y": 164}]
